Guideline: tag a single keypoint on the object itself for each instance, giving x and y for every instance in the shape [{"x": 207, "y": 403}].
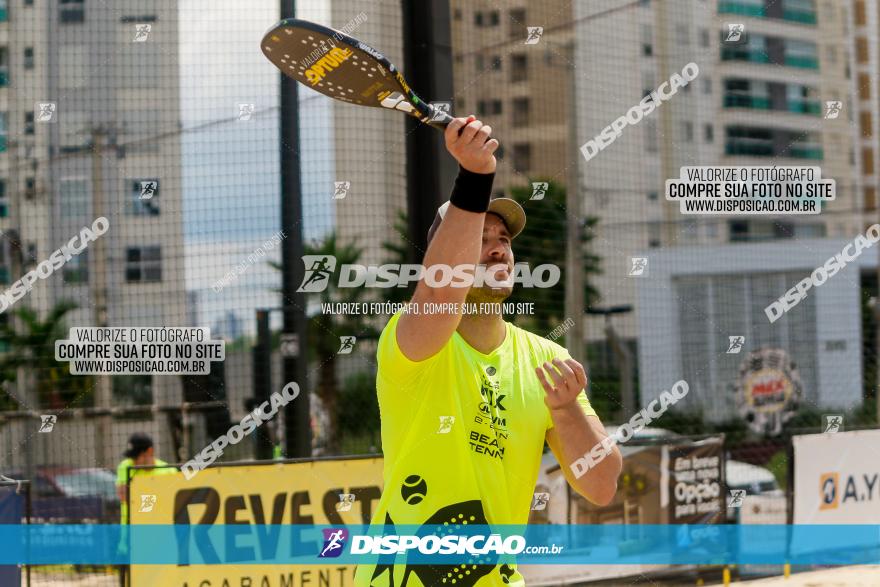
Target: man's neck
[{"x": 484, "y": 332}]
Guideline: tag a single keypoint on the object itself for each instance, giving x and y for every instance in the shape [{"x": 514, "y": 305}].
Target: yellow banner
[{"x": 259, "y": 493}]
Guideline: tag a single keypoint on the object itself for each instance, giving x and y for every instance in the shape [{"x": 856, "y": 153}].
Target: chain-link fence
[{"x": 164, "y": 119}]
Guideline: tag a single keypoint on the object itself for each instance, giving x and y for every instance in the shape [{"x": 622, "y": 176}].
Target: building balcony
[
  {"x": 803, "y": 61},
  {"x": 811, "y": 107},
  {"x": 764, "y": 148},
  {"x": 793, "y": 14},
  {"x": 743, "y": 54},
  {"x": 746, "y": 101},
  {"x": 743, "y": 8}
]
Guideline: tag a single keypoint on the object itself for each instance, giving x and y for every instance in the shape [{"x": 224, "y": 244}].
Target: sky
[{"x": 231, "y": 166}]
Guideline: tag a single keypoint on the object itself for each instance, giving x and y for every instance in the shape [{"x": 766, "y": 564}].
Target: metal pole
[
  {"x": 262, "y": 378},
  {"x": 574, "y": 280},
  {"x": 298, "y": 433},
  {"x": 98, "y": 281},
  {"x": 430, "y": 171}
]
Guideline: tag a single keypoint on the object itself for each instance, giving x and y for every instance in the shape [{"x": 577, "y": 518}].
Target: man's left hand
[{"x": 567, "y": 380}]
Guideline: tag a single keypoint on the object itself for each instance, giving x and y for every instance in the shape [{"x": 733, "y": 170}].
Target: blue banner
[
  {"x": 11, "y": 512},
  {"x": 538, "y": 544}
]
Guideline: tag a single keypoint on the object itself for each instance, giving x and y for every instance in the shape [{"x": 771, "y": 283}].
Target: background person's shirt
[
  {"x": 462, "y": 436},
  {"x": 122, "y": 479}
]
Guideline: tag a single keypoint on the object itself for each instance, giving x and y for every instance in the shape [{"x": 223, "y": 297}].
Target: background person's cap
[
  {"x": 510, "y": 211},
  {"x": 137, "y": 443}
]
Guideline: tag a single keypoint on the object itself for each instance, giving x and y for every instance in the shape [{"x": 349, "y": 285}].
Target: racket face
[{"x": 343, "y": 68}]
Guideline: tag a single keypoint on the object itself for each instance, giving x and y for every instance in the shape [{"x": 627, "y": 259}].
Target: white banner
[{"x": 837, "y": 478}]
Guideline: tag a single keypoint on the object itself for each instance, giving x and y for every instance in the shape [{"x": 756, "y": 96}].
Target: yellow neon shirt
[{"x": 478, "y": 467}]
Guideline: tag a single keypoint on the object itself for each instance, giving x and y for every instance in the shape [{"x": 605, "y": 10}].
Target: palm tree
[
  {"x": 32, "y": 346},
  {"x": 324, "y": 330},
  {"x": 544, "y": 241}
]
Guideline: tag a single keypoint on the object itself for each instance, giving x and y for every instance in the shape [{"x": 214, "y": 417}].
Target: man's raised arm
[{"x": 457, "y": 241}]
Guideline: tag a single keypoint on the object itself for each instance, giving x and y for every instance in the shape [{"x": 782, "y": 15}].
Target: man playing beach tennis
[{"x": 468, "y": 400}]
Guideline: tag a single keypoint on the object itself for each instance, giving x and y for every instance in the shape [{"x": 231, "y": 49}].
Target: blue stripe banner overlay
[{"x": 469, "y": 544}]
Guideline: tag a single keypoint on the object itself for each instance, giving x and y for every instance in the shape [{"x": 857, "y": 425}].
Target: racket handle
[{"x": 440, "y": 120}]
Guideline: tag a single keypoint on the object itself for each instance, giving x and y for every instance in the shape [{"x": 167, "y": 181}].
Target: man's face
[
  {"x": 145, "y": 458},
  {"x": 497, "y": 255}
]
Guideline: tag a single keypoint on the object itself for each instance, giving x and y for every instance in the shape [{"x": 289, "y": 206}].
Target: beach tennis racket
[{"x": 337, "y": 65}]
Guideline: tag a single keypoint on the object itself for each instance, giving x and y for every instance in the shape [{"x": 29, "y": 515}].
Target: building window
[
  {"x": 802, "y": 11},
  {"x": 487, "y": 107},
  {"x": 652, "y": 196},
  {"x": 687, "y": 131},
  {"x": 754, "y": 51},
  {"x": 802, "y": 99},
  {"x": 865, "y": 123},
  {"x": 749, "y": 141},
  {"x": 870, "y": 199},
  {"x": 867, "y": 161},
  {"x": 707, "y": 85},
  {"x": 143, "y": 197},
  {"x": 708, "y": 133},
  {"x": 861, "y": 14},
  {"x": 522, "y": 157},
  {"x": 521, "y": 111},
  {"x": 4, "y": 205},
  {"x": 864, "y": 86},
  {"x": 457, "y": 14},
  {"x": 28, "y": 57},
  {"x": 4, "y": 126},
  {"x": 71, "y": 11},
  {"x": 76, "y": 270},
  {"x": 801, "y": 54},
  {"x": 704, "y": 38},
  {"x": 4, "y": 12},
  {"x": 4, "y": 67},
  {"x": 73, "y": 198},
  {"x": 763, "y": 142},
  {"x": 744, "y": 7},
  {"x": 654, "y": 234},
  {"x": 485, "y": 19},
  {"x": 518, "y": 22},
  {"x": 650, "y": 135},
  {"x": 143, "y": 264},
  {"x": 30, "y": 188},
  {"x": 29, "y": 123},
  {"x": 519, "y": 68},
  {"x": 647, "y": 40},
  {"x": 4, "y": 274},
  {"x": 495, "y": 64},
  {"x": 647, "y": 83}
]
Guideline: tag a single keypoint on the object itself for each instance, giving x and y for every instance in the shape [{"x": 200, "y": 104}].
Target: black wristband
[{"x": 472, "y": 190}]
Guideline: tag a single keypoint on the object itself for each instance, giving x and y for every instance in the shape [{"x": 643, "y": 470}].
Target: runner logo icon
[{"x": 334, "y": 542}]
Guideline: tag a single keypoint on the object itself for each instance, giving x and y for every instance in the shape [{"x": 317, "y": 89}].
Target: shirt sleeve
[
  {"x": 394, "y": 366},
  {"x": 121, "y": 472}
]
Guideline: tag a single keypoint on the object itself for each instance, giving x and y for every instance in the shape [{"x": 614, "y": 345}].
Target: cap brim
[{"x": 511, "y": 212}]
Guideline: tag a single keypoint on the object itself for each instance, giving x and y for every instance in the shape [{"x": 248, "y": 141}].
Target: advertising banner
[
  {"x": 318, "y": 492},
  {"x": 692, "y": 482},
  {"x": 11, "y": 512},
  {"x": 837, "y": 478}
]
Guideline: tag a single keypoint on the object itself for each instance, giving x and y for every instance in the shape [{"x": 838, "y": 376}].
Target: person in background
[{"x": 138, "y": 452}]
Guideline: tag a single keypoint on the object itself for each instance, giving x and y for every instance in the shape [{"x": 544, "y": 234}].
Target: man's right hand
[{"x": 473, "y": 148}]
